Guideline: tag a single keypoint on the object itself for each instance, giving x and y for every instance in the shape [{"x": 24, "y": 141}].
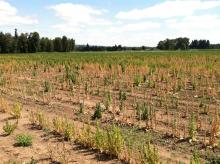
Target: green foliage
[
  {"x": 149, "y": 153},
  {"x": 115, "y": 141},
  {"x": 192, "y": 127},
  {"x": 98, "y": 112},
  {"x": 195, "y": 159},
  {"x": 33, "y": 161},
  {"x": 2, "y": 81},
  {"x": 122, "y": 95},
  {"x": 137, "y": 79},
  {"x": 142, "y": 111},
  {"x": 23, "y": 140},
  {"x": 123, "y": 67},
  {"x": 99, "y": 138},
  {"x": 68, "y": 131},
  {"x": 47, "y": 86},
  {"x": 9, "y": 128}
]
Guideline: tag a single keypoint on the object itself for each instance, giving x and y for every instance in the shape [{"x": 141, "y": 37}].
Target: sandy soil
[{"x": 43, "y": 143}]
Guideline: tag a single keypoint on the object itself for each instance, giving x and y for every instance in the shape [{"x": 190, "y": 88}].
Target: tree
[
  {"x": 7, "y": 41},
  {"x": 64, "y": 44},
  {"x": 200, "y": 44},
  {"x": 43, "y": 43},
  {"x": 182, "y": 43},
  {"x": 1, "y": 41},
  {"x": 15, "y": 42},
  {"x": 174, "y": 44},
  {"x": 49, "y": 45},
  {"x": 71, "y": 44},
  {"x": 33, "y": 42},
  {"x": 58, "y": 44},
  {"x": 23, "y": 43}
]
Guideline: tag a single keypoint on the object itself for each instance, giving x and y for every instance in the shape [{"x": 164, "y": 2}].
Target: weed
[
  {"x": 149, "y": 153},
  {"x": 68, "y": 130},
  {"x": 47, "y": 86},
  {"x": 195, "y": 159},
  {"x": 9, "y": 128},
  {"x": 23, "y": 140},
  {"x": 16, "y": 110},
  {"x": 115, "y": 141},
  {"x": 192, "y": 127},
  {"x": 98, "y": 112}
]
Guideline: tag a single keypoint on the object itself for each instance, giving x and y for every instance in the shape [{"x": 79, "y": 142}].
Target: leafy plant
[
  {"x": 9, "y": 128},
  {"x": 68, "y": 131},
  {"x": 137, "y": 80},
  {"x": 115, "y": 141},
  {"x": 192, "y": 127},
  {"x": 195, "y": 159},
  {"x": 98, "y": 112},
  {"x": 149, "y": 153},
  {"x": 23, "y": 140},
  {"x": 47, "y": 86}
]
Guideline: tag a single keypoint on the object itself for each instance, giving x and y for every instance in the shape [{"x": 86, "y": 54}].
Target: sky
[{"x": 110, "y": 22}]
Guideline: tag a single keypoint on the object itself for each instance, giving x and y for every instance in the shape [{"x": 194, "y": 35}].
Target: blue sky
[{"x": 109, "y": 22}]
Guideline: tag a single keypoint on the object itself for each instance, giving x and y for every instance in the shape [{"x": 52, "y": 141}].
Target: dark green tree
[
  {"x": 58, "y": 44},
  {"x": 33, "y": 42},
  {"x": 23, "y": 43},
  {"x": 65, "y": 46}
]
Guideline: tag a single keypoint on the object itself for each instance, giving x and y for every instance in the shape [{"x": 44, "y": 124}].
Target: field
[{"x": 111, "y": 107}]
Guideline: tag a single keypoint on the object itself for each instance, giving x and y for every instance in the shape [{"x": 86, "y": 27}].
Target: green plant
[
  {"x": 47, "y": 86},
  {"x": 149, "y": 153},
  {"x": 98, "y": 112},
  {"x": 16, "y": 110},
  {"x": 115, "y": 141},
  {"x": 122, "y": 95},
  {"x": 23, "y": 140},
  {"x": 195, "y": 159},
  {"x": 99, "y": 138},
  {"x": 192, "y": 127},
  {"x": 33, "y": 161},
  {"x": 58, "y": 125},
  {"x": 137, "y": 80},
  {"x": 9, "y": 128},
  {"x": 142, "y": 111},
  {"x": 68, "y": 131},
  {"x": 81, "y": 108}
]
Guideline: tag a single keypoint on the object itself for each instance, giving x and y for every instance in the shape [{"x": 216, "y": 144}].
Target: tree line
[
  {"x": 88, "y": 47},
  {"x": 32, "y": 43},
  {"x": 184, "y": 44}
]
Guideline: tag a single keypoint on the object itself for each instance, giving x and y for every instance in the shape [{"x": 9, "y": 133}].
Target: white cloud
[
  {"x": 201, "y": 22},
  {"x": 167, "y": 9},
  {"x": 169, "y": 19},
  {"x": 197, "y": 27},
  {"x": 77, "y": 17},
  {"x": 134, "y": 27},
  {"x": 10, "y": 17},
  {"x": 90, "y": 25}
]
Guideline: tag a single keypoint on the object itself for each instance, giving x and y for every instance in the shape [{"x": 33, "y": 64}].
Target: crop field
[{"x": 110, "y": 107}]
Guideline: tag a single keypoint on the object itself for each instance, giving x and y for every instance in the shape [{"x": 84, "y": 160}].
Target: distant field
[{"x": 135, "y": 106}]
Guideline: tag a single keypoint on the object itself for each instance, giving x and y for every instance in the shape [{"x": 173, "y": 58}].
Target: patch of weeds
[
  {"x": 9, "y": 128},
  {"x": 98, "y": 112},
  {"x": 23, "y": 140},
  {"x": 47, "y": 86},
  {"x": 16, "y": 110}
]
